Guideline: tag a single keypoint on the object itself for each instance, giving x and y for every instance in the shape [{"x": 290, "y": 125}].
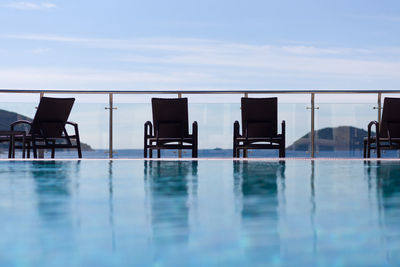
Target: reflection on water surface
[{"x": 199, "y": 213}]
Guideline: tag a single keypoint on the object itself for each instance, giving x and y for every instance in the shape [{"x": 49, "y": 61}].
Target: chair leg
[
  {"x": 145, "y": 146},
  {"x": 34, "y": 150},
  {"x": 9, "y": 148},
  {"x": 194, "y": 152},
  {"x": 378, "y": 150},
  {"x": 79, "y": 151},
  {"x": 245, "y": 153},
  {"x": 150, "y": 153},
  {"x": 28, "y": 151},
  {"x": 282, "y": 151},
  {"x": 158, "y": 153},
  {"x": 13, "y": 147},
  {"x": 365, "y": 149},
  {"x": 53, "y": 152}
]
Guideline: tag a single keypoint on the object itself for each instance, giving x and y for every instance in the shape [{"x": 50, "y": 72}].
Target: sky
[{"x": 206, "y": 44}]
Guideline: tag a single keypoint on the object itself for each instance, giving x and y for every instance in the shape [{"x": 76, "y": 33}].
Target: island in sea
[{"x": 342, "y": 138}]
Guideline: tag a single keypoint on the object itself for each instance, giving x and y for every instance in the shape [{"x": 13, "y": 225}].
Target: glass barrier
[
  {"x": 340, "y": 125},
  {"x": 88, "y": 111},
  {"x": 215, "y": 115}
]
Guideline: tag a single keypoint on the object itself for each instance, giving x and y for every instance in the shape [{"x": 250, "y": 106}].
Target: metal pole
[
  {"x": 41, "y": 151},
  {"x": 312, "y": 124},
  {"x": 179, "y": 150},
  {"x": 379, "y": 107},
  {"x": 245, "y": 151},
  {"x": 110, "y": 134}
]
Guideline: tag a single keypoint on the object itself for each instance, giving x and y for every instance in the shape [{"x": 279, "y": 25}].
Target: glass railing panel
[
  {"x": 88, "y": 111},
  {"x": 341, "y": 123},
  {"x": 92, "y": 118},
  {"x": 215, "y": 115},
  {"x": 14, "y": 107},
  {"x": 292, "y": 108},
  {"x": 132, "y": 111}
]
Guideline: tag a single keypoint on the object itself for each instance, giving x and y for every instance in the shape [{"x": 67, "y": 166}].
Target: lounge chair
[
  {"x": 171, "y": 127},
  {"x": 47, "y": 130},
  {"x": 259, "y": 127},
  {"x": 387, "y": 134}
]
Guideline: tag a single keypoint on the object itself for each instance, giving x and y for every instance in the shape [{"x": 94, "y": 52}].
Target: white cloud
[
  {"x": 30, "y": 5},
  {"x": 80, "y": 78},
  {"x": 185, "y": 63}
]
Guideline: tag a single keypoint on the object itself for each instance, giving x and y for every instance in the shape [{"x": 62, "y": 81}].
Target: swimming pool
[{"x": 207, "y": 212}]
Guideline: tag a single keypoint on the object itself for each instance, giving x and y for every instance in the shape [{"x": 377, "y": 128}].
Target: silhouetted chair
[
  {"x": 259, "y": 127},
  {"x": 48, "y": 128},
  {"x": 387, "y": 134},
  {"x": 171, "y": 127}
]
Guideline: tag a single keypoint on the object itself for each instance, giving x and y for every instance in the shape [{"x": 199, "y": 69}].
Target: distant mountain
[
  {"x": 7, "y": 117},
  {"x": 332, "y": 139}
]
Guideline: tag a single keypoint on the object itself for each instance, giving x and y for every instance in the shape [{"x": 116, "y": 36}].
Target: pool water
[{"x": 199, "y": 213}]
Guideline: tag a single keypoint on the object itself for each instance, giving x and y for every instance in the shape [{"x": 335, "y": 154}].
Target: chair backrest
[
  {"x": 170, "y": 117},
  {"x": 260, "y": 117},
  {"x": 51, "y": 116},
  {"x": 390, "y": 118}
]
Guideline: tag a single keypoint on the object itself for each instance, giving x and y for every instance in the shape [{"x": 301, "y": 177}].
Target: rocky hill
[{"x": 340, "y": 138}]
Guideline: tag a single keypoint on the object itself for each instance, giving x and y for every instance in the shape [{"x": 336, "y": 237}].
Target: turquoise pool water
[{"x": 206, "y": 213}]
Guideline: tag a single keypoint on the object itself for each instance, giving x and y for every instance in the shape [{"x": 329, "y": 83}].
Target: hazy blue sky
[{"x": 199, "y": 44}]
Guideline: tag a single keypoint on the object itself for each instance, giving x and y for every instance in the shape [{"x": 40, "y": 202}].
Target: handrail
[{"x": 203, "y": 91}]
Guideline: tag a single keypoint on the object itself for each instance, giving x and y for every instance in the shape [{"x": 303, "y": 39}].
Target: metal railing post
[
  {"x": 40, "y": 152},
  {"x": 312, "y": 133},
  {"x": 245, "y": 151},
  {"x": 312, "y": 125},
  {"x": 379, "y": 107},
  {"x": 110, "y": 133}
]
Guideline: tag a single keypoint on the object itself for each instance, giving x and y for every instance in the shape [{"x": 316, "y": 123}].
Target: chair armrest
[
  {"x": 283, "y": 128},
  {"x": 376, "y": 130},
  {"x": 236, "y": 129},
  {"x": 195, "y": 129},
  {"x": 372, "y": 123},
  {"x": 75, "y": 125},
  {"x": 148, "y": 129},
  {"x": 71, "y": 123},
  {"x": 12, "y": 125}
]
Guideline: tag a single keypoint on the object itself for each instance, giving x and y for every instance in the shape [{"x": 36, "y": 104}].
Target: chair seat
[
  {"x": 275, "y": 139},
  {"x": 383, "y": 142},
  {"x": 169, "y": 140}
]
